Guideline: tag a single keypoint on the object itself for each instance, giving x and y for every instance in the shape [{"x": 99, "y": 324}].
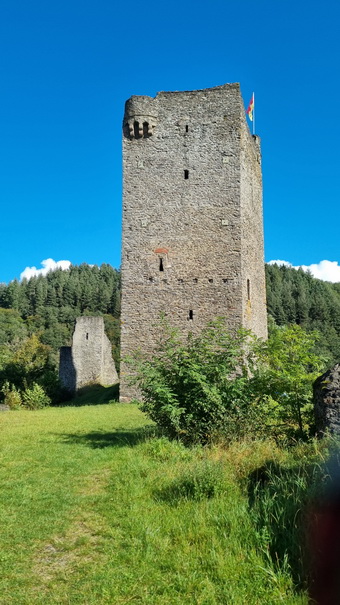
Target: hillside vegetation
[
  {"x": 48, "y": 305},
  {"x": 294, "y": 296},
  {"x": 37, "y": 317}
]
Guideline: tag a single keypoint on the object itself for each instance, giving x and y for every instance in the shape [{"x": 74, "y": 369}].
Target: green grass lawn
[{"x": 95, "y": 510}]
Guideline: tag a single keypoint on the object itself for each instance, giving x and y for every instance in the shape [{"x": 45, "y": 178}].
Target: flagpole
[{"x": 254, "y": 115}]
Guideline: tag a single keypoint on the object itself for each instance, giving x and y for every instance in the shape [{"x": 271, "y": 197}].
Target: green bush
[
  {"x": 197, "y": 390},
  {"x": 287, "y": 367},
  {"x": 35, "y": 397},
  {"x": 12, "y": 396},
  {"x": 215, "y": 385}
]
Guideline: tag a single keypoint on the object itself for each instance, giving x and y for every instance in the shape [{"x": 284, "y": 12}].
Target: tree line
[
  {"x": 296, "y": 297},
  {"x": 37, "y": 316},
  {"x": 48, "y": 305}
]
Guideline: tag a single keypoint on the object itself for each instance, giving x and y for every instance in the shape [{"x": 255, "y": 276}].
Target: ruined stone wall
[
  {"x": 184, "y": 215},
  {"x": 89, "y": 360}
]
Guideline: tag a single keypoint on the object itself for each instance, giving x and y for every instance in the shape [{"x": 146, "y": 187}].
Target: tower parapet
[{"x": 140, "y": 117}]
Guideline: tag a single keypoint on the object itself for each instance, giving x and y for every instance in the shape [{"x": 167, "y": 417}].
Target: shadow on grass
[
  {"x": 94, "y": 394},
  {"x": 119, "y": 438}
]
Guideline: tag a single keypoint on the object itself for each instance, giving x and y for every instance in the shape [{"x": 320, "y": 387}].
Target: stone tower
[
  {"x": 192, "y": 216},
  {"x": 89, "y": 360}
]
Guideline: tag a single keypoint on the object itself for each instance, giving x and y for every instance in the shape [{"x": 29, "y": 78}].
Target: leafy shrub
[
  {"x": 12, "y": 396},
  {"x": 51, "y": 384},
  {"x": 198, "y": 389},
  {"x": 35, "y": 397},
  {"x": 285, "y": 378},
  {"x": 215, "y": 385}
]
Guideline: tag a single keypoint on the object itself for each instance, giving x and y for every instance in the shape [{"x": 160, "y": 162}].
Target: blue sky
[{"x": 68, "y": 66}]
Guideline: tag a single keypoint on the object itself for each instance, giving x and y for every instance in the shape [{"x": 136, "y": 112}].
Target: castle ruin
[
  {"x": 89, "y": 360},
  {"x": 192, "y": 217}
]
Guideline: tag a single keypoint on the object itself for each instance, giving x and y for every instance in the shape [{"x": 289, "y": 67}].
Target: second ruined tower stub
[
  {"x": 192, "y": 217},
  {"x": 89, "y": 360}
]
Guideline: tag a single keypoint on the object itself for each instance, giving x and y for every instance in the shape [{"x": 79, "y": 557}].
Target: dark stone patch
[{"x": 326, "y": 397}]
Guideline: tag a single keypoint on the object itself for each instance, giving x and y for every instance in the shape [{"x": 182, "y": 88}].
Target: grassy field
[{"x": 95, "y": 510}]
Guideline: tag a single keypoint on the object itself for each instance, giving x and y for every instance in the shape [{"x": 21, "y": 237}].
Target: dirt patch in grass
[{"x": 63, "y": 555}]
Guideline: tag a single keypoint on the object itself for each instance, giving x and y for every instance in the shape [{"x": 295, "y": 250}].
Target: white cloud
[
  {"x": 327, "y": 270},
  {"x": 48, "y": 265}
]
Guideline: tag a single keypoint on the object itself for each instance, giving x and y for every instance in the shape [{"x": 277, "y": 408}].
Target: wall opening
[
  {"x": 186, "y": 174},
  {"x": 191, "y": 314},
  {"x": 87, "y": 336},
  {"x": 248, "y": 289},
  {"x": 211, "y": 280},
  {"x": 136, "y": 129},
  {"x": 145, "y": 129},
  {"x": 186, "y": 128},
  {"x": 195, "y": 280},
  {"x": 161, "y": 267}
]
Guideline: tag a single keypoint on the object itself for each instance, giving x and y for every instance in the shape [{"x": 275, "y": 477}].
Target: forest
[
  {"x": 296, "y": 297},
  {"x": 37, "y": 317}
]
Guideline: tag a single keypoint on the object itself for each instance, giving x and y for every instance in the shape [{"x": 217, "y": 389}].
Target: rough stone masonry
[
  {"x": 192, "y": 217},
  {"x": 326, "y": 396},
  {"x": 89, "y": 360}
]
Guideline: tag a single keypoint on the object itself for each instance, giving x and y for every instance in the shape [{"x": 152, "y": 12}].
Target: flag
[{"x": 251, "y": 107}]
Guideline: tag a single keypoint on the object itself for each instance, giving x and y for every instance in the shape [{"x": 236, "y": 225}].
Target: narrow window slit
[
  {"x": 248, "y": 289},
  {"x": 186, "y": 174},
  {"x": 191, "y": 314},
  {"x": 145, "y": 129},
  {"x": 186, "y": 128},
  {"x": 87, "y": 336},
  {"x": 161, "y": 267}
]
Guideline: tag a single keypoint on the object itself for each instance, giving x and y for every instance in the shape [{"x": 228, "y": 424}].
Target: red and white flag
[{"x": 251, "y": 108}]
